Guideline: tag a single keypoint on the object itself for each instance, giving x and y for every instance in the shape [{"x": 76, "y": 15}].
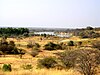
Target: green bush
[
  {"x": 6, "y": 67},
  {"x": 52, "y": 46},
  {"x": 48, "y": 62},
  {"x": 27, "y": 66},
  {"x": 8, "y": 48},
  {"x": 70, "y": 43}
]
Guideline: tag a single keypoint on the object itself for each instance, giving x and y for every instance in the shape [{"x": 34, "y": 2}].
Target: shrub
[
  {"x": 48, "y": 62},
  {"x": 85, "y": 60},
  {"x": 33, "y": 53},
  {"x": 35, "y": 50},
  {"x": 36, "y": 45},
  {"x": 12, "y": 43},
  {"x": 70, "y": 43},
  {"x": 29, "y": 45},
  {"x": 89, "y": 28},
  {"x": 6, "y": 67},
  {"x": 67, "y": 58},
  {"x": 8, "y": 48},
  {"x": 80, "y": 43},
  {"x": 27, "y": 66},
  {"x": 63, "y": 46},
  {"x": 52, "y": 46}
]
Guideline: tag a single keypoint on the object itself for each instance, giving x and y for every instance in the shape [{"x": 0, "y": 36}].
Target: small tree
[
  {"x": 85, "y": 60},
  {"x": 89, "y": 28},
  {"x": 88, "y": 62}
]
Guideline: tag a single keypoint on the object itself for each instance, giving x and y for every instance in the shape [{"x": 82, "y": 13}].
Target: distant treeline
[
  {"x": 13, "y": 31},
  {"x": 88, "y": 32}
]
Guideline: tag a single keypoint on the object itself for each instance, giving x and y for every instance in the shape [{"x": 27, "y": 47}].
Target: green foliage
[
  {"x": 48, "y": 62},
  {"x": 27, "y": 66},
  {"x": 13, "y": 31},
  {"x": 88, "y": 34},
  {"x": 89, "y": 28},
  {"x": 52, "y": 46},
  {"x": 8, "y": 47},
  {"x": 70, "y": 43},
  {"x": 44, "y": 35},
  {"x": 6, "y": 67}
]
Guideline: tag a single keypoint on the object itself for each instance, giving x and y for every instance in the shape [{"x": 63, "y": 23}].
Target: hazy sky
[{"x": 50, "y": 13}]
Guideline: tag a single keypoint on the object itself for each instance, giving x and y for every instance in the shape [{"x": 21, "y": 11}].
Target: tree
[
  {"x": 84, "y": 60},
  {"x": 89, "y": 28},
  {"x": 14, "y": 31}
]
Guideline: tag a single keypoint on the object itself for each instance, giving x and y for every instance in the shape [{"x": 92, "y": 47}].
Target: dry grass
[
  {"x": 42, "y": 72},
  {"x": 16, "y": 62}
]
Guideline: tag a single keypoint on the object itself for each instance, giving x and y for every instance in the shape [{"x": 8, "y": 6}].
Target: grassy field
[{"x": 16, "y": 62}]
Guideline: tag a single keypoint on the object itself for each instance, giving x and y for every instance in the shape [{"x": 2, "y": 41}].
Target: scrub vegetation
[{"x": 22, "y": 53}]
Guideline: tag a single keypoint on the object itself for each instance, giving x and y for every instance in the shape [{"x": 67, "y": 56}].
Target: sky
[{"x": 50, "y": 13}]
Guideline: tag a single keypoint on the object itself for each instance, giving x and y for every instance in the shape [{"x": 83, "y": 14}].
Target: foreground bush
[
  {"x": 85, "y": 61},
  {"x": 48, "y": 62},
  {"x": 68, "y": 59},
  {"x": 6, "y": 67}
]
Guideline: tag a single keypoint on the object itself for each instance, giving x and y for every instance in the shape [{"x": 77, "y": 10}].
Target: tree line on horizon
[{"x": 13, "y": 31}]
